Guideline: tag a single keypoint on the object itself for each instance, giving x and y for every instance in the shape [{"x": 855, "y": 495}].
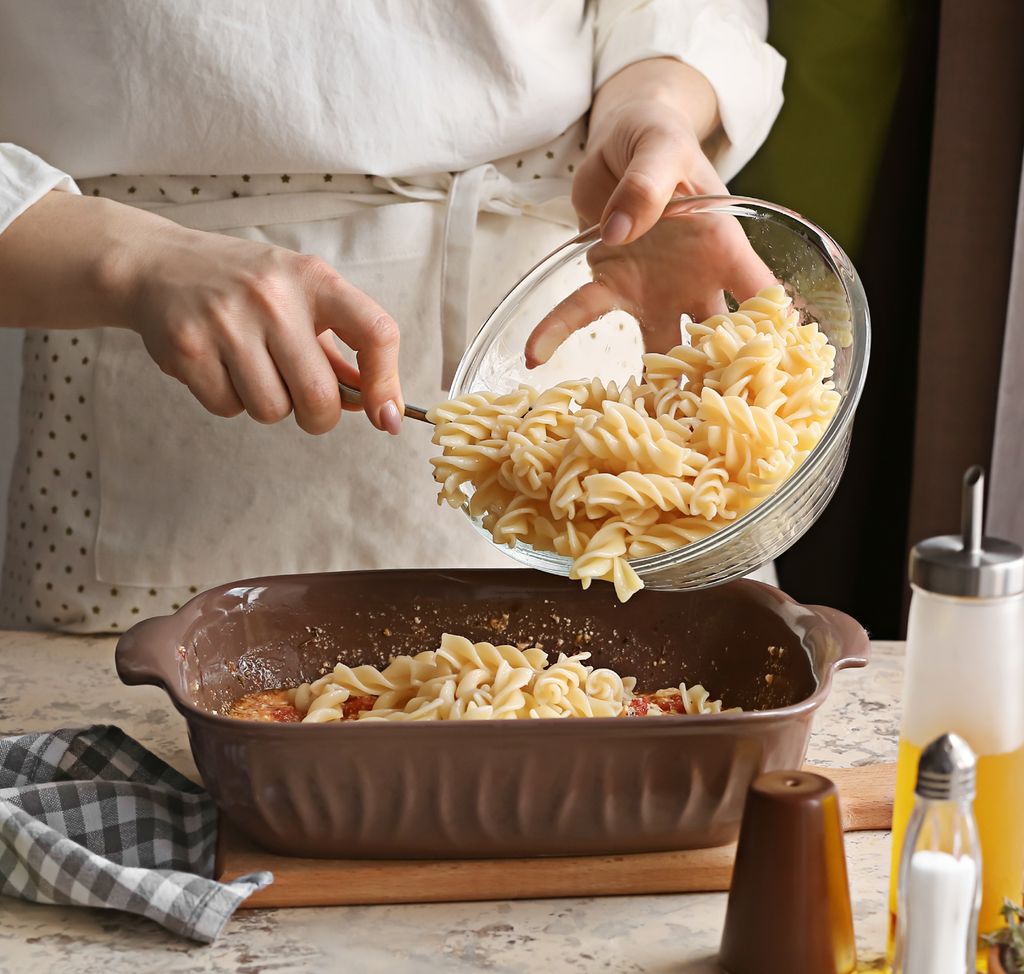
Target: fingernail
[
  {"x": 542, "y": 350},
  {"x": 616, "y": 228},
  {"x": 390, "y": 417}
]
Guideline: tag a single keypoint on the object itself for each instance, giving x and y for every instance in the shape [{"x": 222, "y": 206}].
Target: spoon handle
[{"x": 352, "y": 396}]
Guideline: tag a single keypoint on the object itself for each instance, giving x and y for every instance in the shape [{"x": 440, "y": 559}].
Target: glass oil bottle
[{"x": 965, "y": 675}]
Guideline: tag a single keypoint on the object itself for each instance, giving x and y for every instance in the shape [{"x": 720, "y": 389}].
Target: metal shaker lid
[
  {"x": 969, "y": 564},
  {"x": 946, "y": 771}
]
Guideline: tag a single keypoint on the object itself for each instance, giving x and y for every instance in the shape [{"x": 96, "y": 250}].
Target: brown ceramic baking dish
[{"x": 507, "y": 788}]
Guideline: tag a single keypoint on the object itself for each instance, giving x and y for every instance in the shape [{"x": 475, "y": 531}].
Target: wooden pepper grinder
[{"x": 789, "y": 904}]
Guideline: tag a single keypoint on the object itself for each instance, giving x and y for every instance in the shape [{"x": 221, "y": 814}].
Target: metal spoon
[{"x": 352, "y": 396}]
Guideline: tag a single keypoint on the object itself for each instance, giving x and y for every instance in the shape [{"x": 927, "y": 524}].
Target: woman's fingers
[
  {"x": 364, "y": 326},
  {"x": 644, "y": 190},
  {"x": 306, "y": 371},
  {"x": 187, "y": 352},
  {"x": 749, "y": 274},
  {"x": 579, "y": 309},
  {"x": 258, "y": 382},
  {"x": 344, "y": 370},
  {"x": 211, "y": 384},
  {"x": 706, "y": 305},
  {"x": 592, "y": 186}
]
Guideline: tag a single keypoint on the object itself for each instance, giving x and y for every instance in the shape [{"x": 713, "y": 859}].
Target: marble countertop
[{"x": 48, "y": 681}]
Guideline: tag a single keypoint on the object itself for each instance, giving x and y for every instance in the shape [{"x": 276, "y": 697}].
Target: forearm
[
  {"x": 63, "y": 262},
  {"x": 655, "y": 81}
]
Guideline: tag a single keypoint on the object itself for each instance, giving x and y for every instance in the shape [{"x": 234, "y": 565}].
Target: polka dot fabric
[
  {"x": 49, "y": 578},
  {"x": 560, "y": 157}
]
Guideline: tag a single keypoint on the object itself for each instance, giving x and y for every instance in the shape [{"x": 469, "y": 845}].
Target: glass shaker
[
  {"x": 965, "y": 675},
  {"x": 940, "y": 866}
]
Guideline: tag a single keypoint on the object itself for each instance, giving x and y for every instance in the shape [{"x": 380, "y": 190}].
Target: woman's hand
[
  {"x": 646, "y": 129},
  {"x": 244, "y": 325},
  {"x": 249, "y": 326}
]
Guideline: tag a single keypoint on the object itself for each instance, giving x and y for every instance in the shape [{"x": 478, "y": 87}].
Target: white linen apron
[{"x": 128, "y": 496}]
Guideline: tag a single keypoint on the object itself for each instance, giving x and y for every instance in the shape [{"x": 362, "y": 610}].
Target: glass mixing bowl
[{"x": 683, "y": 249}]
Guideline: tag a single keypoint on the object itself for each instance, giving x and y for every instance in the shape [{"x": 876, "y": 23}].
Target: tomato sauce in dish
[
  {"x": 274, "y": 706},
  {"x": 268, "y": 705}
]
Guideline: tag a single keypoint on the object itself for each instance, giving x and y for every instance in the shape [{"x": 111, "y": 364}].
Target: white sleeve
[
  {"x": 25, "y": 179},
  {"x": 722, "y": 39}
]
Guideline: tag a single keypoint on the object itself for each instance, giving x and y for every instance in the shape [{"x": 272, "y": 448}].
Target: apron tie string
[
  {"x": 480, "y": 189},
  {"x": 464, "y": 199}
]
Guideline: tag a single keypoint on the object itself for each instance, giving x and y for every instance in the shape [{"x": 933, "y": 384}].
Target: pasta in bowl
[
  {"x": 603, "y": 475},
  {"x": 672, "y": 469}
]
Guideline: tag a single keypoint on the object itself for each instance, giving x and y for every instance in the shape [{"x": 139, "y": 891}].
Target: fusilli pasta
[
  {"x": 603, "y": 475},
  {"x": 462, "y": 680}
]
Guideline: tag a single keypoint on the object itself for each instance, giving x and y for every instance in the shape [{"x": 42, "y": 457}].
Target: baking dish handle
[
  {"x": 137, "y": 656},
  {"x": 853, "y": 645}
]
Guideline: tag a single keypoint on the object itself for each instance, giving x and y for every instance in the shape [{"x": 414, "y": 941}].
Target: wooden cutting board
[{"x": 866, "y": 796}]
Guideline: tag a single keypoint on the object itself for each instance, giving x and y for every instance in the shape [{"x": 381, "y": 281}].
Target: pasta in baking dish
[
  {"x": 462, "y": 680},
  {"x": 602, "y": 474}
]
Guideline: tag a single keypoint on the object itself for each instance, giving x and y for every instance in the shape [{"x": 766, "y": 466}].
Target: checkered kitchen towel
[{"x": 89, "y": 817}]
